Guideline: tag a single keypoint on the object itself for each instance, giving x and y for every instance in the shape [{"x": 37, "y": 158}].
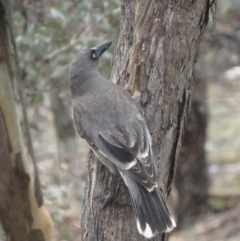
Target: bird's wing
[{"x": 128, "y": 146}]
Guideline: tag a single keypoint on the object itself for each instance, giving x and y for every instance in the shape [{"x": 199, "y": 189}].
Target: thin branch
[
  {"x": 74, "y": 42},
  {"x": 63, "y": 49}
]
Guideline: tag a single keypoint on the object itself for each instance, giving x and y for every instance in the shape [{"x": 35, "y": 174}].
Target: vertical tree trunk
[
  {"x": 63, "y": 124},
  {"x": 22, "y": 214},
  {"x": 155, "y": 55},
  {"x": 191, "y": 179}
]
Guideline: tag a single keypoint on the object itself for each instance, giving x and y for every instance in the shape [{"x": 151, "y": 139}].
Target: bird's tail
[{"x": 152, "y": 215}]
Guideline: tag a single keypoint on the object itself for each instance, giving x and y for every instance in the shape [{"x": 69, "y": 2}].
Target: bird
[{"x": 110, "y": 120}]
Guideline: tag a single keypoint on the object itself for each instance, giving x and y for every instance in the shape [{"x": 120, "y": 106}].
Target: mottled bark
[
  {"x": 191, "y": 179},
  {"x": 155, "y": 55},
  {"x": 22, "y": 216}
]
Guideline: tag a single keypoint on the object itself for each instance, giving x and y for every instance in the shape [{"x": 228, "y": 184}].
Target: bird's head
[
  {"x": 98, "y": 50},
  {"x": 87, "y": 60}
]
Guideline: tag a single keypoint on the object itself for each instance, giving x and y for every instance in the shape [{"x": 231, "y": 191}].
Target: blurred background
[{"x": 48, "y": 35}]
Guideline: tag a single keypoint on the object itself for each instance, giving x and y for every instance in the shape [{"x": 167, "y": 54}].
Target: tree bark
[
  {"x": 22, "y": 214},
  {"x": 191, "y": 179},
  {"x": 63, "y": 124},
  {"x": 154, "y": 59}
]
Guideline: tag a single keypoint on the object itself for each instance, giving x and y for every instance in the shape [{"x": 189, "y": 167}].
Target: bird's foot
[{"x": 110, "y": 198}]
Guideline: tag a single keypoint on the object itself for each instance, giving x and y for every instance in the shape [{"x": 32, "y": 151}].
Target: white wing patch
[
  {"x": 144, "y": 154},
  {"x": 131, "y": 164},
  {"x": 152, "y": 188}
]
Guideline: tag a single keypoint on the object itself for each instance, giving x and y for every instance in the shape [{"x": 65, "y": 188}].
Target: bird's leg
[{"x": 110, "y": 197}]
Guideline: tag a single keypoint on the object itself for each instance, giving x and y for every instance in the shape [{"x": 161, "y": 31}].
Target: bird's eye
[{"x": 94, "y": 54}]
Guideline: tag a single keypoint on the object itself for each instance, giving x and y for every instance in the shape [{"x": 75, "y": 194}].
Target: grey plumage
[{"x": 110, "y": 121}]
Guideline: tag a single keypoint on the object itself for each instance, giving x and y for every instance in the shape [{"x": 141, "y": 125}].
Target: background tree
[
  {"x": 155, "y": 55},
  {"x": 191, "y": 178},
  {"x": 219, "y": 67},
  {"x": 22, "y": 213}
]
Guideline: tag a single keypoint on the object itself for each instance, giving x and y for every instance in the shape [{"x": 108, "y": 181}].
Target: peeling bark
[
  {"x": 155, "y": 55},
  {"x": 21, "y": 217}
]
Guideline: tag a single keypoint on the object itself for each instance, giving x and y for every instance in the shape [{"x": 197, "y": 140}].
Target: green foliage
[{"x": 86, "y": 23}]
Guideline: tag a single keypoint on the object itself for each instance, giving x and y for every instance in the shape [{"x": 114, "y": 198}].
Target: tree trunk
[
  {"x": 154, "y": 58},
  {"x": 22, "y": 214},
  {"x": 63, "y": 124},
  {"x": 191, "y": 179}
]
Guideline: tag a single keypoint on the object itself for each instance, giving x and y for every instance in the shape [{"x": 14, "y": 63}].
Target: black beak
[{"x": 101, "y": 48}]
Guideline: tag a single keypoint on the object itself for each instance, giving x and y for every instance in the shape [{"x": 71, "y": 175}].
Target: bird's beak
[{"x": 100, "y": 49}]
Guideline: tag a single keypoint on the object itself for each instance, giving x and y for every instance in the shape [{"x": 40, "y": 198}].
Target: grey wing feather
[{"x": 128, "y": 146}]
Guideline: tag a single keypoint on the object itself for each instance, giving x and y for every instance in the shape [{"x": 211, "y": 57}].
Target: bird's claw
[{"x": 110, "y": 197}]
